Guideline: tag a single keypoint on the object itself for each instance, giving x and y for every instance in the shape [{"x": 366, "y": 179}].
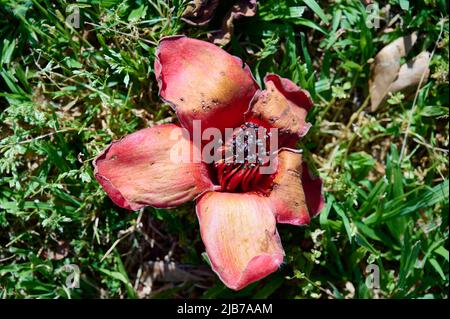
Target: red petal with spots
[
  {"x": 152, "y": 167},
  {"x": 296, "y": 196},
  {"x": 282, "y": 105},
  {"x": 203, "y": 82},
  {"x": 240, "y": 236},
  {"x": 291, "y": 91}
]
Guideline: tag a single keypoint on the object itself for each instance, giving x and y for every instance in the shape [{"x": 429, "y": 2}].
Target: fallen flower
[{"x": 237, "y": 206}]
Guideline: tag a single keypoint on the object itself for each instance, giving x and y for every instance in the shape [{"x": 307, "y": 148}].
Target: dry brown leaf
[
  {"x": 411, "y": 72},
  {"x": 388, "y": 76},
  {"x": 58, "y": 252},
  {"x": 169, "y": 272},
  {"x": 242, "y": 8},
  {"x": 200, "y": 12}
]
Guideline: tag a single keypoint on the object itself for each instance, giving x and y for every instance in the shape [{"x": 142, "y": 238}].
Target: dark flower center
[{"x": 243, "y": 155}]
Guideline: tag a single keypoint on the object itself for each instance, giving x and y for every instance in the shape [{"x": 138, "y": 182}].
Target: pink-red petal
[
  {"x": 282, "y": 105},
  {"x": 203, "y": 82},
  {"x": 312, "y": 186},
  {"x": 240, "y": 236},
  {"x": 287, "y": 197},
  {"x": 296, "y": 194},
  {"x": 152, "y": 167}
]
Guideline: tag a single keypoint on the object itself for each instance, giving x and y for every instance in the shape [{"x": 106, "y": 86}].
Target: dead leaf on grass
[
  {"x": 389, "y": 76},
  {"x": 201, "y": 12},
  {"x": 243, "y": 8}
]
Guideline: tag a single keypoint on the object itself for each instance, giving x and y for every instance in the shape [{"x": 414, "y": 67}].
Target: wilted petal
[
  {"x": 282, "y": 105},
  {"x": 152, "y": 167},
  {"x": 240, "y": 236},
  {"x": 199, "y": 12},
  {"x": 203, "y": 82},
  {"x": 295, "y": 196},
  {"x": 287, "y": 196},
  {"x": 242, "y": 8}
]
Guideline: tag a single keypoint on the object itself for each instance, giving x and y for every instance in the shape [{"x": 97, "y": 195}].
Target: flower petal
[
  {"x": 282, "y": 105},
  {"x": 287, "y": 196},
  {"x": 295, "y": 196},
  {"x": 203, "y": 82},
  {"x": 142, "y": 169},
  {"x": 240, "y": 236},
  {"x": 312, "y": 186}
]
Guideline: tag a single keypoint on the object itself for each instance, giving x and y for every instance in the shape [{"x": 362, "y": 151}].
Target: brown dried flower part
[
  {"x": 243, "y": 8},
  {"x": 200, "y": 12},
  {"x": 56, "y": 252}
]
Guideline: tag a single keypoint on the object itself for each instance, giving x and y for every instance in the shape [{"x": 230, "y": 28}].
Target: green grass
[{"x": 68, "y": 92}]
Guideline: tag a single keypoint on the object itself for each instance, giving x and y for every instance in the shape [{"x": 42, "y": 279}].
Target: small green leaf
[
  {"x": 206, "y": 258},
  {"x": 442, "y": 251},
  {"x": 434, "y": 111},
  {"x": 437, "y": 267},
  {"x": 345, "y": 219},
  {"x": 404, "y": 4},
  {"x": 137, "y": 14},
  {"x": 317, "y": 10}
]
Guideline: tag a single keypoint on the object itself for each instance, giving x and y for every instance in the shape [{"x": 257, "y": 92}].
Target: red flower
[{"x": 237, "y": 207}]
